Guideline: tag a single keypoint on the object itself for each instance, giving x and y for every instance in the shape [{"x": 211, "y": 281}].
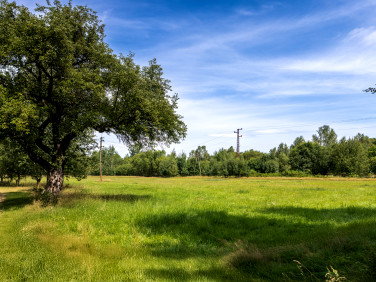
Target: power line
[{"x": 205, "y": 142}]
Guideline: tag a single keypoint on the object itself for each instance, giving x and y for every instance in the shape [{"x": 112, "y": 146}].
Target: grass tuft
[{"x": 246, "y": 256}]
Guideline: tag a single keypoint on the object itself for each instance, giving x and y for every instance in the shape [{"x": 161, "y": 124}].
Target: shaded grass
[
  {"x": 67, "y": 199},
  {"x": 192, "y": 229},
  {"x": 15, "y": 198}
]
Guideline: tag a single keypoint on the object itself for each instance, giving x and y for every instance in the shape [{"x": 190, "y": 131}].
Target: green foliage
[
  {"x": 45, "y": 198},
  {"x": 299, "y": 140},
  {"x": 251, "y": 154},
  {"x": 305, "y": 156},
  {"x": 167, "y": 166},
  {"x": 182, "y": 164},
  {"x": 14, "y": 162},
  {"x": 59, "y": 80},
  {"x": 78, "y": 162},
  {"x": 350, "y": 157},
  {"x": 16, "y": 114},
  {"x": 325, "y": 136},
  {"x": 111, "y": 160}
]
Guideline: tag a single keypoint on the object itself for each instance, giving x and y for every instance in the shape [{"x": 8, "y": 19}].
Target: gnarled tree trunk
[{"x": 55, "y": 180}]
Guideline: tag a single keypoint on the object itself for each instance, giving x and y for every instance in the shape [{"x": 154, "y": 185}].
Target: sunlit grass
[{"x": 202, "y": 229}]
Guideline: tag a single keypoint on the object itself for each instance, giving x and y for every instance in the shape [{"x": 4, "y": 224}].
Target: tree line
[{"x": 324, "y": 154}]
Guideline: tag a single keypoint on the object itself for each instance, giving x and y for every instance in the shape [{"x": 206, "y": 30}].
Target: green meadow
[{"x": 191, "y": 229}]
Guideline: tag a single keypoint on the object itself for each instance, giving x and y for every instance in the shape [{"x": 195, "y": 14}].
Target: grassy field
[{"x": 184, "y": 229}]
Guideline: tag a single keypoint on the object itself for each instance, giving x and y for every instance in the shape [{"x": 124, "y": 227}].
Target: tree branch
[
  {"x": 65, "y": 142},
  {"x": 33, "y": 155},
  {"x": 39, "y": 140}
]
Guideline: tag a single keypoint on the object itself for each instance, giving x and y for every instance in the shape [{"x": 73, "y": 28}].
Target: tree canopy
[{"x": 60, "y": 81}]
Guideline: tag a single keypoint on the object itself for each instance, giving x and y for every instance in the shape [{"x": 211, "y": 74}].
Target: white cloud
[
  {"x": 270, "y": 131},
  {"x": 228, "y": 135},
  {"x": 353, "y": 55}
]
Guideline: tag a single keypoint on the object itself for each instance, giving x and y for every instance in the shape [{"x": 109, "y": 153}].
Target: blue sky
[{"x": 277, "y": 69}]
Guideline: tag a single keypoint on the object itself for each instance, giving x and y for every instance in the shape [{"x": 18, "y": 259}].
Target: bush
[{"x": 46, "y": 198}]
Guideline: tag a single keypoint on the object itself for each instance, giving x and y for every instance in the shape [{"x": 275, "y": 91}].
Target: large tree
[{"x": 59, "y": 80}]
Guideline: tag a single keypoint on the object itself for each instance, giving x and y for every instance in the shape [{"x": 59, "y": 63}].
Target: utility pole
[
  {"x": 238, "y": 140},
  {"x": 100, "y": 157}
]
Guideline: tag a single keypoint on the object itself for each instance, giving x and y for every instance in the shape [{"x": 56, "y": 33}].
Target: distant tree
[
  {"x": 146, "y": 163},
  {"x": 182, "y": 164},
  {"x": 325, "y": 136},
  {"x": 58, "y": 79},
  {"x": 276, "y": 161},
  {"x": 125, "y": 168},
  {"x": 366, "y": 142},
  {"x": 134, "y": 149},
  {"x": 250, "y": 154},
  {"x": 283, "y": 162},
  {"x": 200, "y": 154},
  {"x": 268, "y": 164},
  {"x": 243, "y": 168},
  {"x": 167, "y": 166},
  {"x": 283, "y": 149},
  {"x": 273, "y": 153},
  {"x": 298, "y": 140},
  {"x": 350, "y": 157},
  {"x": 3, "y": 172},
  {"x": 231, "y": 150},
  {"x": 110, "y": 161},
  {"x": 306, "y": 157},
  {"x": 14, "y": 162}
]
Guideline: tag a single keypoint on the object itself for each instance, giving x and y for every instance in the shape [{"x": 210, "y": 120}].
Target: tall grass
[{"x": 195, "y": 228}]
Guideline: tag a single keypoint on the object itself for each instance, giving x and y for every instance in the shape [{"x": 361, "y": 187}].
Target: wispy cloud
[{"x": 354, "y": 54}]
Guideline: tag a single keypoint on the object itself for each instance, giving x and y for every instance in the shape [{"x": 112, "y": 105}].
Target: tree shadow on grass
[
  {"x": 264, "y": 246},
  {"x": 338, "y": 215},
  {"x": 67, "y": 198},
  {"x": 16, "y": 200},
  {"x": 204, "y": 233},
  {"x": 178, "y": 274},
  {"x": 14, "y": 184}
]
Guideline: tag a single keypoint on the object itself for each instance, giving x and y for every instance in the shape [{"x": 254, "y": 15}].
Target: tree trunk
[
  {"x": 18, "y": 179},
  {"x": 39, "y": 179},
  {"x": 55, "y": 180}
]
